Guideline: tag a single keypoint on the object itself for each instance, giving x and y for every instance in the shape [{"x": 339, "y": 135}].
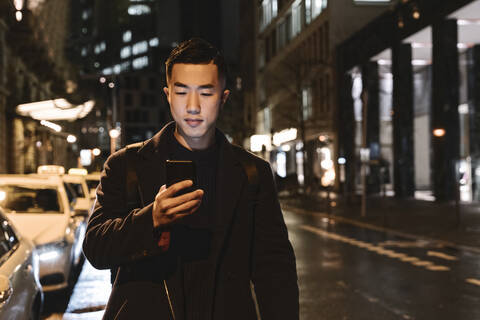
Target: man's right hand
[{"x": 167, "y": 208}]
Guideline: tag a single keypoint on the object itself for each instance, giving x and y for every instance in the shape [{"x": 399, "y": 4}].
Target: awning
[{"x": 58, "y": 109}]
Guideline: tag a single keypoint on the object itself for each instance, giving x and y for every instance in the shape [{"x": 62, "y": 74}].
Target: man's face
[{"x": 196, "y": 95}]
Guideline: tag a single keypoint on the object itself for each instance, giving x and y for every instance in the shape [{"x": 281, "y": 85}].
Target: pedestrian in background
[{"x": 200, "y": 254}]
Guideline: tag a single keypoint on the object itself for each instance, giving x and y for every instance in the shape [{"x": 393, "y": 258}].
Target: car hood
[{"x": 40, "y": 229}]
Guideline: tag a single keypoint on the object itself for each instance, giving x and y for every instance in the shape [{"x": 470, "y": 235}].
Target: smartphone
[{"x": 179, "y": 170}]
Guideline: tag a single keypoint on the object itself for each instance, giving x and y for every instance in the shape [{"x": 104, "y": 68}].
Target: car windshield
[
  {"x": 29, "y": 199},
  {"x": 78, "y": 189}
]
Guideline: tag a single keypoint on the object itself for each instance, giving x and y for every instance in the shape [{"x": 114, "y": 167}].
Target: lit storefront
[{"x": 404, "y": 100}]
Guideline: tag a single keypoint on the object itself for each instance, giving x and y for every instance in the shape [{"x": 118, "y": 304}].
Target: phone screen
[{"x": 179, "y": 170}]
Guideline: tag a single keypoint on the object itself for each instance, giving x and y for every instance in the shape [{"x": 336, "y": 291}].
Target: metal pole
[{"x": 364, "y": 146}]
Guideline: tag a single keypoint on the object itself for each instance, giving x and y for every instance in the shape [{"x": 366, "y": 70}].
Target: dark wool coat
[{"x": 250, "y": 242}]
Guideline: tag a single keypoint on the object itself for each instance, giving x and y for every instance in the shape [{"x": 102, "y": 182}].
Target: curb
[{"x": 365, "y": 225}]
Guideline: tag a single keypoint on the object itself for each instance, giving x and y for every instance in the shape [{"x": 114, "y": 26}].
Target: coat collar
[{"x": 230, "y": 175}]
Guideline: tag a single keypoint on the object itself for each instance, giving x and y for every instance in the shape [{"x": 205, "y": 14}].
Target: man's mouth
[{"x": 193, "y": 122}]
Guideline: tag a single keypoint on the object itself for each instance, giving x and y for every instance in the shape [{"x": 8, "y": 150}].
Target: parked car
[
  {"x": 21, "y": 295},
  {"x": 39, "y": 208},
  {"x": 77, "y": 188}
]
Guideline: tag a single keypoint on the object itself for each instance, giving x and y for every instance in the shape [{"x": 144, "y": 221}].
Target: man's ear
[
  {"x": 225, "y": 95},
  {"x": 167, "y": 93}
]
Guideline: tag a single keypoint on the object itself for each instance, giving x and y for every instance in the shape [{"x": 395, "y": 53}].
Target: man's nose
[{"x": 193, "y": 103}]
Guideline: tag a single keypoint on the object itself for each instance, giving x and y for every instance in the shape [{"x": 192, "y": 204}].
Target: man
[{"x": 193, "y": 256}]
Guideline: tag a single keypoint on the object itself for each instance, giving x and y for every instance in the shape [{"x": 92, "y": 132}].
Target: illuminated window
[
  {"x": 139, "y": 47},
  {"x": 100, "y": 47},
  {"x": 139, "y": 9},
  {"x": 153, "y": 42},
  {"x": 268, "y": 11},
  {"x": 116, "y": 69},
  {"x": 307, "y": 103},
  {"x": 107, "y": 71},
  {"x": 267, "y": 119},
  {"x": 308, "y": 11},
  {"x": 85, "y": 14},
  {"x": 317, "y": 7},
  {"x": 296, "y": 17},
  {"x": 281, "y": 164},
  {"x": 84, "y": 52},
  {"x": 125, "y": 66},
  {"x": 140, "y": 63},
  {"x": 125, "y": 52},
  {"x": 127, "y": 36}
]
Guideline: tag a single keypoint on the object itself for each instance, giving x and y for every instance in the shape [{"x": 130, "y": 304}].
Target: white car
[
  {"x": 21, "y": 295},
  {"x": 77, "y": 188},
  {"x": 40, "y": 209}
]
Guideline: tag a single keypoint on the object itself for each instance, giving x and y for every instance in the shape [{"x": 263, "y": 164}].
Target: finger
[
  {"x": 176, "y": 201},
  {"x": 197, "y": 194},
  {"x": 184, "y": 207},
  {"x": 179, "y": 216},
  {"x": 174, "y": 188}
]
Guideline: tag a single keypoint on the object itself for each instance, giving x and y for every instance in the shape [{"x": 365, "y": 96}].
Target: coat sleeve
[
  {"x": 115, "y": 236},
  {"x": 274, "y": 272}
]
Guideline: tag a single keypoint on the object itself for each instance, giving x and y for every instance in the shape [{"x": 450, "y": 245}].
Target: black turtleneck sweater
[{"x": 195, "y": 232}]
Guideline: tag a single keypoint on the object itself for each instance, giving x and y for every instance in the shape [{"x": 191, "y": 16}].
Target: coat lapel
[
  {"x": 230, "y": 181},
  {"x": 151, "y": 167}
]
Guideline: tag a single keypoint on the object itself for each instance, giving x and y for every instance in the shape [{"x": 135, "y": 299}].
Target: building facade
[
  {"x": 418, "y": 67},
  {"x": 33, "y": 67},
  {"x": 122, "y": 46},
  {"x": 295, "y": 100}
]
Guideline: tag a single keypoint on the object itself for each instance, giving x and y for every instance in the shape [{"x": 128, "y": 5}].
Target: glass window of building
[
  {"x": 127, "y": 36},
  {"x": 268, "y": 11},
  {"x": 317, "y": 7},
  {"x": 296, "y": 17},
  {"x": 307, "y": 103},
  {"x": 139, "y": 9}
]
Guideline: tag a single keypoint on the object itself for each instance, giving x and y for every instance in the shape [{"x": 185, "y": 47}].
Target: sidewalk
[{"x": 411, "y": 217}]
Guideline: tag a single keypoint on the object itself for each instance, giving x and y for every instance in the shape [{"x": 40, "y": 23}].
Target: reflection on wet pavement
[{"x": 89, "y": 297}]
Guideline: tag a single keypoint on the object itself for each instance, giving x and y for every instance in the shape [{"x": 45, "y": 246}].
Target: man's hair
[{"x": 197, "y": 51}]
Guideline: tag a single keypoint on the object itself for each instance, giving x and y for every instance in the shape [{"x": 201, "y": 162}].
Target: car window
[
  {"x": 9, "y": 233},
  {"x": 30, "y": 199},
  {"x": 77, "y": 189},
  {"x": 70, "y": 192},
  {"x": 4, "y": 242}
]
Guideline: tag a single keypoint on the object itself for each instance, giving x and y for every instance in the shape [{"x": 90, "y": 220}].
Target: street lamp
[
  {"x": 114, "y": 134},
  {"x": 71, "y": 138},
  {"x": 96, "y": 152},
  {"x": 439, "y": 132}
]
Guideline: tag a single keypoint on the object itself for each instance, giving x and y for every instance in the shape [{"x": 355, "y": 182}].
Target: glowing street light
[
  {"x": 71, "y": 138},
  {"x": 439, "y": 132},
  {"x": 96, "y": 152},
  {"x": 114, "y": 133}
]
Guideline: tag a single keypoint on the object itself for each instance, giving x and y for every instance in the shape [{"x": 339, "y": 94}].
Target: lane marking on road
[
  {"x": 356, "y": 223},
  {"x": 441, "y": 255},
  {"x": 377, "y": 249},
  {"x": 473, "y": 281}
]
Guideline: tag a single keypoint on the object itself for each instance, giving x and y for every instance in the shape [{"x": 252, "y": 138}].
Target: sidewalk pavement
[{"x": 412, "y": 218}]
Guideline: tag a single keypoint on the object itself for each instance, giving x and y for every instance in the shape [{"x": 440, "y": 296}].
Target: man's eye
[
  {"x": 181, "y": 93},
  {"x": 206, "y": 94}
]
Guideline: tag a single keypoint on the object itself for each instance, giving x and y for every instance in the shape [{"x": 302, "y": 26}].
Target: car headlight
[{"x": 51, "y": 251}]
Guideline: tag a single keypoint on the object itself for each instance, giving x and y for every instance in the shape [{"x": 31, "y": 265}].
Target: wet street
[{"x": 345, "y": 272}]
